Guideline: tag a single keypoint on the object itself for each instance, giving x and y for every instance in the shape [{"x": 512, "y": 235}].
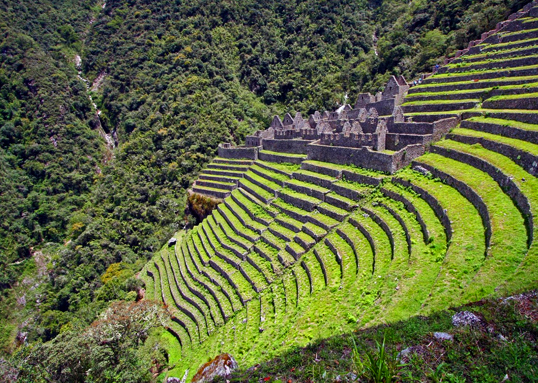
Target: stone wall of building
[
  {"x": 365, "y": 157},
  {"x": 238, "y": 152},
  {"x": 286, "y": 146}
]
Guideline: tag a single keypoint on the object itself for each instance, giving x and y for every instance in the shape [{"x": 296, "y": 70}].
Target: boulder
[
  {"x": 223, "y": 365},
  {"x": 465, "y": 318}
]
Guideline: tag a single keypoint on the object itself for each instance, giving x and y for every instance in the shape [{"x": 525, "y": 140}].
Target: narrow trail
[{"x": 110, "y": 139}]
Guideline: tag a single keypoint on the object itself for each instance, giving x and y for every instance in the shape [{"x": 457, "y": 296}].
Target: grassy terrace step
[
  {"x": 314, "y": 271},
  {"x": 184, "y": 317},
  {"x": 227, "y": 252},
  {"x": 236, "y": 224},
  {"x": 304, "y": 240},
  {"x": 256, "y": 191},
  {"x": 439, "y": 105},
  {"x": 377, "y": 238},
  {"x": 239, "y": 242},
  {"x": 509, "y": 45},
  {"x": 381, "y": 222},
  {"x": 285, "y": 169},
  {"x": 344, "y": 172},
  {"x": 521, "y": 115},
  {"x": 229, "y": 265},
  {"x": 220, "y": 160},
  {"x": 300, "y": 200},
  {"x": 281, "y": 232},
  {"x": 364, "y": 253},
  {"x": 345, "y": 254},
  {"x": 340, "y": 201},
  {"x": 330, "y": 265},
  {"x": 471, "y": 84},
  {"x": 333, "y": 211},
  {"x": 522, "y": 51},
  {"x": 212, "y": 192},
  {"x": 254, "y": 227},
  {"x": 216, "y": 184},
  {"x": 322, "y": 220},
  {"x": 529, "y": 70},
  {"x": 227, "y": 237},
  {"x": 461, "y": 152},
  {"x": 514, "y": 61},
  {"x": 271, "y": 175},
  {"x": 466, "y": 251},
  {"x": 223, "y": 172},
  {"x": 520, "y": 35},
  {"x": 523, "y": 153},
  {"x": 289, "y": 222},
  {"x": 266, "y": 155},
  {"x": 307, "y": 188},
  {"x": 199, "y": 291},
  {"x": 351, "y": 190},
  {"x": 398, "y": 269},
  {"x": 186, "y": 301},
  {"x": 477, "y": 94},
  {"x": 503, "y": 267},
  {"x": 263, "y": 266},
  {"x": 250, "y": 205},
  {"x": 396, "y": 215},
  {"x": 273, "y": 240},
  {"x": 410, "y": 280},
  {"x": 294, "y": 249},
  {"x": 501, "y": 127},
  {"x": 180, "y": 324},
  {"x": 432, "y": 229},
  {"x": 263, "y": 182},
  {"x": 200, "y": 283},
  {"x": 323, "y": 180},
  {"x": 211, "y": 177},
  {"x": 269, "y": 254},
  {"x": 228, "y": 167},
  {"x": 212, "y": 278}
]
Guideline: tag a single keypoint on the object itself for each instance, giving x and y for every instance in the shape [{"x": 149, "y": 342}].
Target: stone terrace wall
[
  {"x": 227, "y": 151},
  {"x": 364, "y": 157},
  {"x": 286, "y": 146}
]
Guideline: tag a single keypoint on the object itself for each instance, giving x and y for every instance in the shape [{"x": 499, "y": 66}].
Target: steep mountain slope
[
  {"x": 303, "y": 250},
  {"x": 173, "y": 80}
]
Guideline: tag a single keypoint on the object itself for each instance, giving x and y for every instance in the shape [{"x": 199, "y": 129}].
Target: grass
[
  {"x": 513, "y": 96},
  {"x": 508, "y": 240},
  {"x": 307, "y": 185},
  {"x": 256, "y": 209},
  {"x": 474, "y": 354},
  {"x": 302, "y": 196},
  {"x": 503, "y": 122},
  {"x": 518, "y": 144},
  {"x": 466, "y": 250},
  {"x": 259, "y": 192},
  {"x": 487, "y": 61},
  {"x": 268, "y": 184},
  {"x": 527, "y": 270},
  {"x": 216, "y": 291},
  {"x": 351, "y": 168},
  {"x": 282, "y": 166},
  {"x": 279, "y": 154},
  {"x": 462, "y": 92},
  {"x": 485, "y": 71},
  {"x": 439, "y": 102},
  {"x": 270, "y": 174}
]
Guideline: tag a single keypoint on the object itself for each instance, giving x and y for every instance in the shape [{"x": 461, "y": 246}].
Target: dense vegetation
[{"x": 76, "y": 223}]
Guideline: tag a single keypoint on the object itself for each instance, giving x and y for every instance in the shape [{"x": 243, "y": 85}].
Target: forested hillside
[{"x": 175, "y": 78}]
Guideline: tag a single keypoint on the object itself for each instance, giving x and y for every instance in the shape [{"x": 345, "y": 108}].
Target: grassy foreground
[{"x": 502, "y": 347}]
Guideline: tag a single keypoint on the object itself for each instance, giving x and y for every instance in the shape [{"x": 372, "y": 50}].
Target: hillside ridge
[{"x": 305, "y": 246}]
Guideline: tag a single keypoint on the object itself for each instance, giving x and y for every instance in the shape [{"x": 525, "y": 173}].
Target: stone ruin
[
  {"x": 365, "y": 125},
  {"x": 374, "y": 124}
]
